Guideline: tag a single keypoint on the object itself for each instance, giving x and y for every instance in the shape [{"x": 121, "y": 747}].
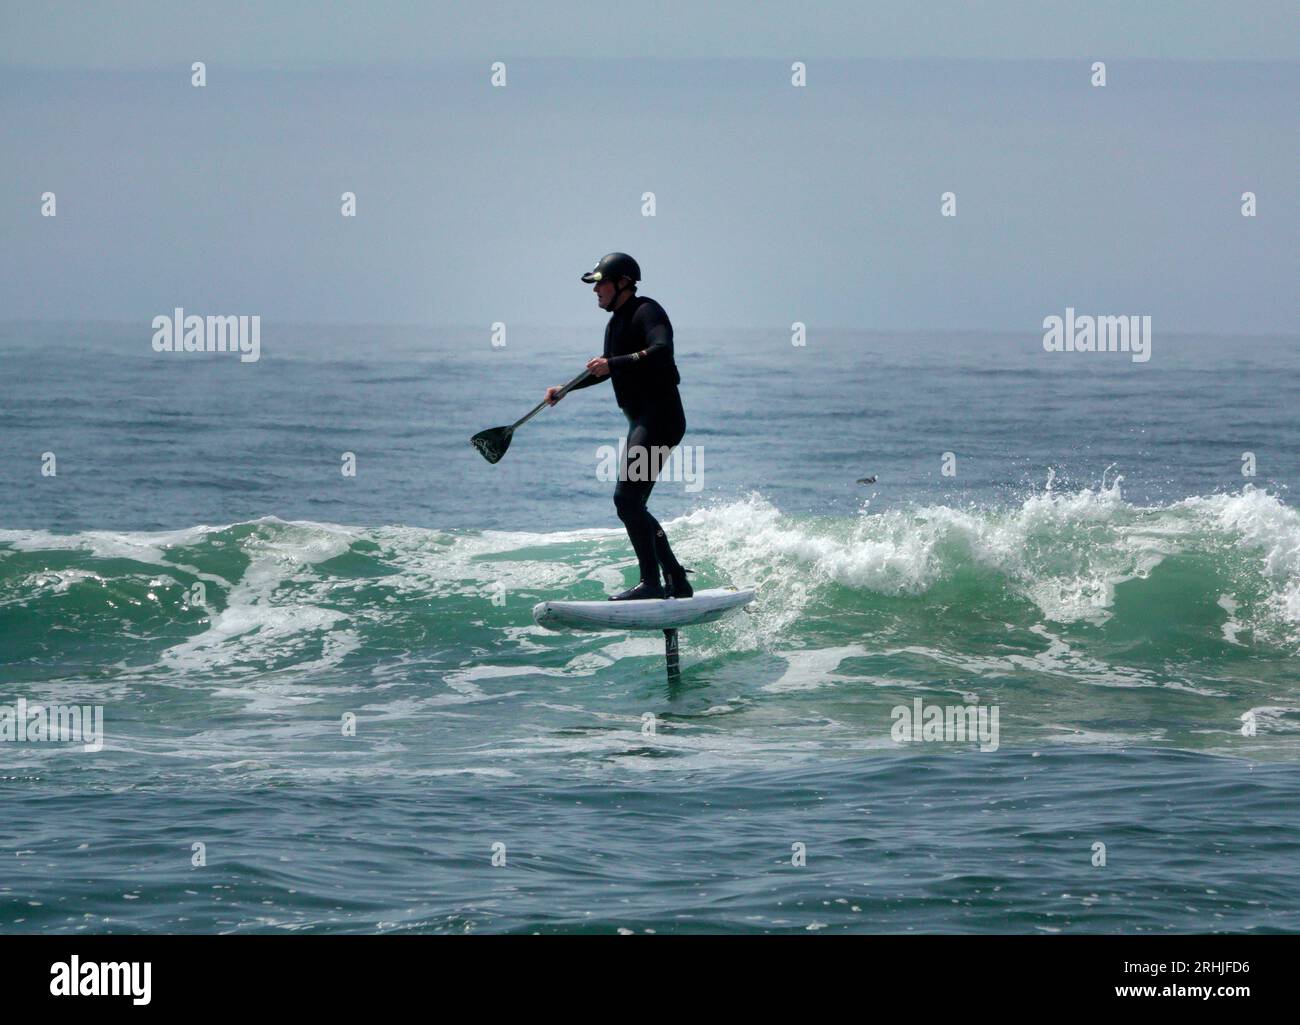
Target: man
[{"x": 638, "y": 358}]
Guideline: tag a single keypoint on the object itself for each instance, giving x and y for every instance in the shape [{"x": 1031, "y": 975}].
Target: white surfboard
[{"x": 652, "y": 614}]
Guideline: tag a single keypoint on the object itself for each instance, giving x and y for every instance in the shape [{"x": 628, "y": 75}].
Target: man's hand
[
  {"x": 598, "y": 365},
  {"x": 553, "y": 395}
]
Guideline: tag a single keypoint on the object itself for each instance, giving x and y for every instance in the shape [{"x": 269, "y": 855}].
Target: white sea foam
[
  {"x": 808, "y": 670},
  {"x": 1066, "y": 553},
  {"x": 284, "y": 626},
  {"x": 259, "y": 628}
]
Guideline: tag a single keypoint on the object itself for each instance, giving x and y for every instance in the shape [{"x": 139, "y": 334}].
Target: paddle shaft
[{"x": 558, "y": 395}]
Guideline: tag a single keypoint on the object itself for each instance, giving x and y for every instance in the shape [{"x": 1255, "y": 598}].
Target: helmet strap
[{"x": 613, "y": 303}]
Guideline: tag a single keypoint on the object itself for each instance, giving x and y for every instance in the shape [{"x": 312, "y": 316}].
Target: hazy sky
[
  {"x": 153, "y": 33},
  {"x": 774, "y": 203}
]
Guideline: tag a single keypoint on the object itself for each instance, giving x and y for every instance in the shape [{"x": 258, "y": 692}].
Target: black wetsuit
[{"x": 639, "y": 348}]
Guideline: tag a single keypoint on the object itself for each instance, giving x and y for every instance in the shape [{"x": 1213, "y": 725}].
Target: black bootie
[
  {"x": 645, "y": 589},
  {"x": 676, "y": 584}
]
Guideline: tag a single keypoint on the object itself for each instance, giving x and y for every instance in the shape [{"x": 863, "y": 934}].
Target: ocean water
[{"x": 1094, "y": 566}]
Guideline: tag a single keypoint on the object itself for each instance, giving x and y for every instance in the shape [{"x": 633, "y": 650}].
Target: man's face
[{"x": 604, "y": 293}]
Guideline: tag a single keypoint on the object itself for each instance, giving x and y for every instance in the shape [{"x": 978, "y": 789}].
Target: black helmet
[{"x": 613, "y": 266}]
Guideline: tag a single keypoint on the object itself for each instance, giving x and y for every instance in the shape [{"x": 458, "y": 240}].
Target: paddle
[{"x": 493, "y": 442}]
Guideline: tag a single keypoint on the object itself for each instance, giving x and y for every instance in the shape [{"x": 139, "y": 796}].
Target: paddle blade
[{"x": 492, "y": 443}]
